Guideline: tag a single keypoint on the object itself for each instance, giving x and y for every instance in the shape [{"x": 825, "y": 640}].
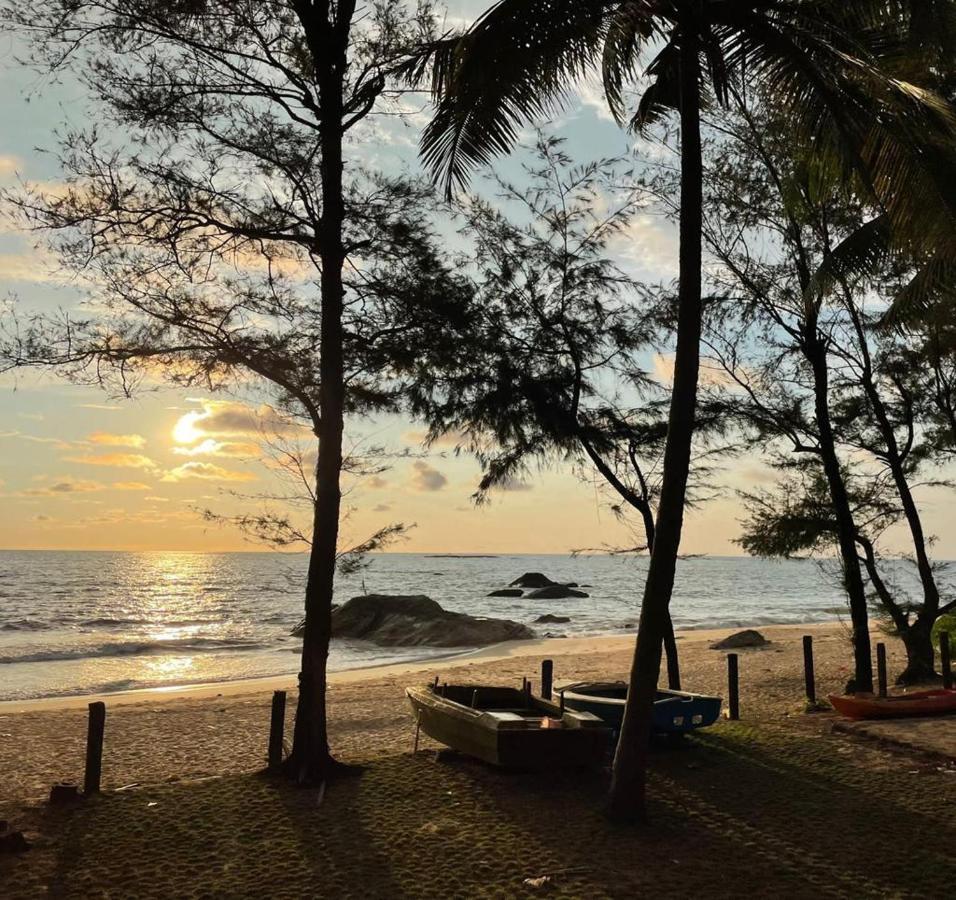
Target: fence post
[
  {"x": 547, "y": 678},
  {"x": 733, "y": 686},
  {"x": 94, "y": 748},
  {"x": 808, "y": 676},
  {"x": 881, "y": 669},
  {"x": 944, "y": 661},
  {"x": 276, "y": 730}
]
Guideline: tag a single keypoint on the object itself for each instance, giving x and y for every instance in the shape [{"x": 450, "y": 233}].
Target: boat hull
[
  {"x": 675, "y": 712},
  {"x": 505, "y": 739},
  {"x": 936, "y": 702}
]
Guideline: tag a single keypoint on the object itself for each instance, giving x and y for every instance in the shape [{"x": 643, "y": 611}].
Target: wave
[
  {"x": 25, "y": 625},
  {"x": 135, "y": 648},
  {"x": 110, "y": 622}
]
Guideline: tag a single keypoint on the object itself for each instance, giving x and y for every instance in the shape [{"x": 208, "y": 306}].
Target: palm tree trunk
[
  {"x": 627, "y": 801},
  {"x": 310, "y": 761}
]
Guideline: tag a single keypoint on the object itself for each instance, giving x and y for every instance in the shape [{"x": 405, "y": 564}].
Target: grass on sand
[{"x": 764, "y": 810}]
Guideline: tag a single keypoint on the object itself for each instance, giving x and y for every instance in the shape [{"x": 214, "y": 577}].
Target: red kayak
[{"x": 936, "y": 702}]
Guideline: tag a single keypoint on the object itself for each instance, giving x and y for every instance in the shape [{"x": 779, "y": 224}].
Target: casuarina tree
[{"x": 222, "y": 137}]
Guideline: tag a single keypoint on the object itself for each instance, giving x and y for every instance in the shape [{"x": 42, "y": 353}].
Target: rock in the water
[
  {"x": 507, "y": 592},
  {"x": 748, "y": 638},
  {"x": 548, "y": 619},
  {"x": 555, "y": 592},
  {"x": 413, "y": 621},
  {"x": 532, "y": 580},
  {"x": 299, "y": 629}
]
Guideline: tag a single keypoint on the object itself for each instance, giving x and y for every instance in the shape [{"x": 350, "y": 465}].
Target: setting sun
[{"x": 185, "y": 431}]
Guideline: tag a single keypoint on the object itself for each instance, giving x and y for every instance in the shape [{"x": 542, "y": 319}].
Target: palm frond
[
  {"x": 858, "y": 254},
  {"x": 627, "y": 32},
  {"x": 512, "y": 67}
]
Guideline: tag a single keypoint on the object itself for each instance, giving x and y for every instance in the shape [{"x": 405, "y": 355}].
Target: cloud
[
  {"x": 376, "y": 483},
  {"x": 9, "y": 165},
  {"x": 60, "y": 488},
  {"x": 155, "y": 499},
  {"x": 710, "y": 374},
  {"x": 103, "y": 406},
  {"x": 108, "y": 439},
  {"x": 426, "y": 478},
  {"x": 33, "y": 417},
  {"x": 32, "y": 266},
  {"x": 649, "y": 246},
  {"x": 36, "y": 439},
  {"x": 130, "y": 486},
  {"x": 449, "y": 439},
  {"x": 381, "y": 507},
  {"x": 220, "y": 418},
  {"x": 225, "y": 449},
  {"x": 116, "y": 460},
  {"x": 205, "y": 471}
]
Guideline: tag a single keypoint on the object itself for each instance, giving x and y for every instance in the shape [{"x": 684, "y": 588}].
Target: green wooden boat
[{"x": 509, "y": 727}]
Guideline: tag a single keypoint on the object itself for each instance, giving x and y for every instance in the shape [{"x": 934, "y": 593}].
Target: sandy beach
[
  {"x": 780, "y": 799},
  {"x": 182, "y": 733}
]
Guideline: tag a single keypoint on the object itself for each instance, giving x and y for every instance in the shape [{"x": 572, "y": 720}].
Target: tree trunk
[
  {"x": 920, "y": 654},
  {"x": 852, "y": 578},
  {"x": 310, "y": 761},
  {"x": 641, "y": 503},
  {"x": 627, "y": 801},
  {"x": 896, "y": 461},
  {"x": 670, "y": 640}
]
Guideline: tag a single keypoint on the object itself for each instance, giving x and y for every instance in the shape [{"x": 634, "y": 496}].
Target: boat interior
[{"x": 493, "y": 699}]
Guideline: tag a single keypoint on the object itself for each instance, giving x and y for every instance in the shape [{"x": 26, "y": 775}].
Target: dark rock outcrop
[
  {"x": 507, "y": 592},
  {"x": 548, "y": 619},
  {"x": 532, "y": 580},
  {"x": 741, "y": 639},
  {"x": 415, "y": 621},
  {"x": 555, "y": 592}
]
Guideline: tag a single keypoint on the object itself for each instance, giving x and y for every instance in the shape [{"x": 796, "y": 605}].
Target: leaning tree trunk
[
  {"x": 920, "y": 654},
  {"x": 310, "y": 761},
  {"x": 627, "y": 801},
  {"x": 670, "y": 639},
  {"x": 846, "y": 528}
]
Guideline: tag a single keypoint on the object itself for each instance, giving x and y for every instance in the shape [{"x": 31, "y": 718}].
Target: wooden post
[
  {"x": 561, "y": 695},
  {"x": 94, "y": 748},
  {"x": 881, "y": 669},
  {"x": 547, "y": 678},
  {"x": 733, "y": 687},
  {"x": 808, "y": 677},
  {"x": 944, "y": 661},
  {"x": 276, "y": 730}
]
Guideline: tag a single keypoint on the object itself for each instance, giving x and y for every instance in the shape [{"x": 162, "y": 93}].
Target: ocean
[{"x": 95, "y": 622}]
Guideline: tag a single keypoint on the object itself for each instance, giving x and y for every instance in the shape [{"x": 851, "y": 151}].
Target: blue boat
[{"x": 675, "y": 712}]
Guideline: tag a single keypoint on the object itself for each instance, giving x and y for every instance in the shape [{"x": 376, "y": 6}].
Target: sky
[{"x": 82, "y": 470}]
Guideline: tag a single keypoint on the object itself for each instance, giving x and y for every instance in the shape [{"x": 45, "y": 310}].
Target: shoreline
[{"x": 555, "y": 647}]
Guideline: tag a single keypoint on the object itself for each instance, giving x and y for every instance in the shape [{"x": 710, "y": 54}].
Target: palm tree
[{"x": 817, "y": 59}]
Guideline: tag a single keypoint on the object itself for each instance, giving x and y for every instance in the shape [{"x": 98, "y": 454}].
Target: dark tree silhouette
[
  {"x": 219, "y": 212},
  {"x": 818, "y": 62},
  {"x": 549, "y": 369}
]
